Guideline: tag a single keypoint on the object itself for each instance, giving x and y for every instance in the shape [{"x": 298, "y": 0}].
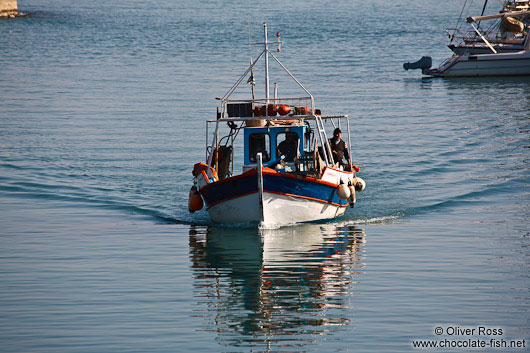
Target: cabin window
[
  {"x": 287, "y": 145},
  {"x": 260, "y": 143}
]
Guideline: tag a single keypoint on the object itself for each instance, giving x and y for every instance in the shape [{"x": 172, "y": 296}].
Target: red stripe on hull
[
  {"x": 306, "y": 197},
  {"x": 277, "y": 193}
]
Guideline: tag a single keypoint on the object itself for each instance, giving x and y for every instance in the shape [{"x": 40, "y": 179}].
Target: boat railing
[
  {"x": 454, "y": 33},
  {"x": 517, "y": 5},
  {"x": 286, "y": 118},
  {"x": 267, "y": 108},
  {"x": 471, "y": 37}
]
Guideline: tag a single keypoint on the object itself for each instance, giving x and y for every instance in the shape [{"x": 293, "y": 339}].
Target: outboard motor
[{"x": 424, "y": 63}]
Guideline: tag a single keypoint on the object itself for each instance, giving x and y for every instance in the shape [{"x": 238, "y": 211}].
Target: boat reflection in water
[{"x": 275, "y": 288}]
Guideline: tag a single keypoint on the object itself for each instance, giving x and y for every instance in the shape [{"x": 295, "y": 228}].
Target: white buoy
[
  {"x": 343, "y": 192},
  {"x": 360, "y": 184}
]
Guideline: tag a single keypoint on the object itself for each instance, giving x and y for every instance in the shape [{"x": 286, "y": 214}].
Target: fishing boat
[
  {"x": 288, "y": 173},
  {"x": 504, "y": 58}
]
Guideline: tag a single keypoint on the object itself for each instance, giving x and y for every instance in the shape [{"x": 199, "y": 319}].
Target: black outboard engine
[{"x": 424, "y": 63}]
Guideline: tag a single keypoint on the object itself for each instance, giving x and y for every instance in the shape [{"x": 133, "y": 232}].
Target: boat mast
[
  {"x": 266, "y": 65},
  {"x": 483, "y": 9}
]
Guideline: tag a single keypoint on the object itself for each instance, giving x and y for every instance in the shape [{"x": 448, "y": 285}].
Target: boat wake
[
  {"x": 378, "y": 213},
  {"x": 80, "y": 196},
  {"x": 373, "y": 220}
]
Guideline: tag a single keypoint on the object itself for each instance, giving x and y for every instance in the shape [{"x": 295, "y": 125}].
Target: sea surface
[{"x": 102, "y": 116}]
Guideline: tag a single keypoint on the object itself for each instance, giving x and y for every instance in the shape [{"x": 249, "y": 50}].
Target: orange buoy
[
  {"x": 271, "y": 110},
  {"x": 194, "y": 200},
  {"x": 283, "y": 109}
]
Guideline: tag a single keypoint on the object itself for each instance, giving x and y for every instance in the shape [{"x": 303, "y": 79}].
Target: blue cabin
[{"x": 275, "y": 141}]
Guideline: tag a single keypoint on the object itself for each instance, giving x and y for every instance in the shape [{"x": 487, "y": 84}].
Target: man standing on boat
[{"x": 339, "y": 149}]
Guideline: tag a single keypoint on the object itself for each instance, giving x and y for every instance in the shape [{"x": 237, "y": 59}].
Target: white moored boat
[
  {"x": 500, "y": 64},
  {"x": 274, "y": 187},
  {"x": 473, "y": 62}
]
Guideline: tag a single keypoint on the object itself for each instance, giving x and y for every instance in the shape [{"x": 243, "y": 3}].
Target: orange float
[
  {"x": 195, "y": 200},
  {"x": 283, "y": 109},
  {"x": 259, "y": 110}
]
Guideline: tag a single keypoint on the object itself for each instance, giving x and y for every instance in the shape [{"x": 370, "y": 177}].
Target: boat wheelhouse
[{"x": 288, "y": 172}]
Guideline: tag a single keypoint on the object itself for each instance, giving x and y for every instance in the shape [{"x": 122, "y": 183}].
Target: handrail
[
  {"x": 263, "y": 99},
  {"x": 279, "y": 117}
]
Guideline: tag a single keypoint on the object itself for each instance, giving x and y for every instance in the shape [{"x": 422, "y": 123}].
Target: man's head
[
  {"x": 291, "y": 136},
  {"x": 337, "y": 133}
]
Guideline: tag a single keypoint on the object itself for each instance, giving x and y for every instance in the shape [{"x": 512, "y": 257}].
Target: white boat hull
[
  {"x": 244, "y": 209},
  {"x": 288, "y": 209},
  {"x": 484, "y": 49},
  {"x": 277, "y": 209},
  {"x": 502, "y": 64}
]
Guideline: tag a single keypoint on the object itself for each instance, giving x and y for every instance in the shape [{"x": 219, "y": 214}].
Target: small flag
[{"x": 251, "y": 79}]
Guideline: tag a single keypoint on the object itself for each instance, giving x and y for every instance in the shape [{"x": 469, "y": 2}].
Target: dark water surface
[{"x": 103, "y": 109}]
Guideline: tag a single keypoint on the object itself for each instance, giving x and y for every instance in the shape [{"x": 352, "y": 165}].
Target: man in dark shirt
[
  {"x": 288, "y": 147},
  {"x": 339, "y": 149}
]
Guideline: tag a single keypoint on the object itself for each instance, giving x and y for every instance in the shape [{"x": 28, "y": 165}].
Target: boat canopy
[{"x": 499, "y": 15}]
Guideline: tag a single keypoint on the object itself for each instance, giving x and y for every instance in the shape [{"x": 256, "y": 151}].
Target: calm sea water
[{"x": 102, "y": 118}]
